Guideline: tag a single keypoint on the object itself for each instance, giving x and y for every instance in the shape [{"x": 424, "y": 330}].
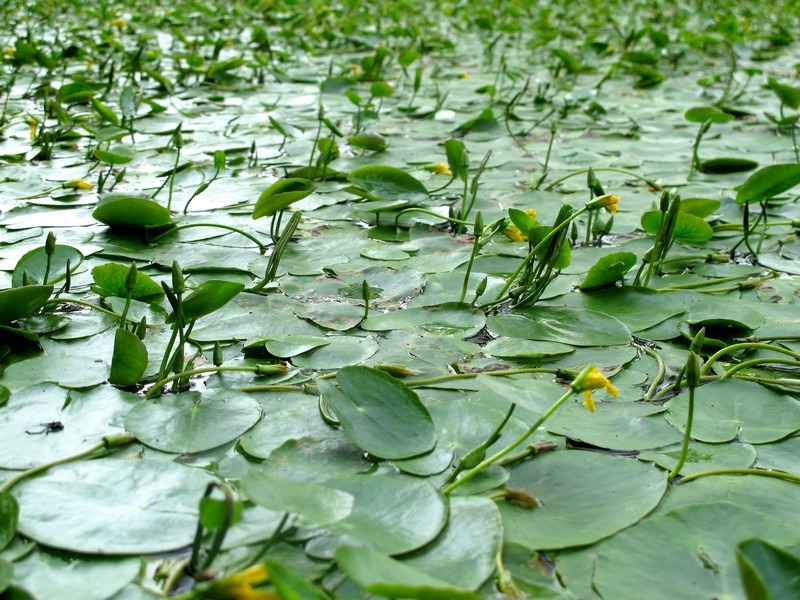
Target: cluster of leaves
[{"x": 374, "y": 397}]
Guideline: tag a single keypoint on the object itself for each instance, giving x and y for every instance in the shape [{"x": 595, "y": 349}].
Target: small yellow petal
[
  {"x": 588, "y": 401},
  {"x": 439, "y": 169},
  {"x": 513, "y": 233},
  {"x": 531, "y": 213},
  {"x": 251, "y": 575},
  {"x": 119, "y": 23}
]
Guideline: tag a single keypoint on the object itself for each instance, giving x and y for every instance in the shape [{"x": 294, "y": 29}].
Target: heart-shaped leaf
[{"x": 280, "y": 195}]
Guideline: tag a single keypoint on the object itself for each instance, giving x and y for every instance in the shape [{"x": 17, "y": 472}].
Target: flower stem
[
  {"x": 508, "y": 449},
  {"x": 762, "y": 472},
  {"x": 687, "y": 434}
]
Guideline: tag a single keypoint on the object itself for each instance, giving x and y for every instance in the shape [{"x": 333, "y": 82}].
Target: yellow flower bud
[
  {"x": 607, "y": 201},
  {"x": 439, "y": 169},
  {"x": 119, "y": 23}
]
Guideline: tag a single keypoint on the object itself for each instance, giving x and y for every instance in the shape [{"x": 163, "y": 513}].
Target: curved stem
[
  {"x": 433, "y": 214},
  {"x": 38, "y": 469},
  {"x": 745, "y": 346},
  {"x": 199, "y": 371},
  {"x": 442, "y": 378},
  {"x": 757, "y": 361},
  {"x": 687, "y": 435},
  {"x": 762, "y": 472},
  {"x": 662, "y": 370},
  {"x": 652, "y": 184},
  {"x": 57, "y": 301},
  {"x": 261, "y": 247},
  {"x": 508, "y": 449}
]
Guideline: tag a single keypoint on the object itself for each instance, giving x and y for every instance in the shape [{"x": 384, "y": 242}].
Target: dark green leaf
[
  {"x": 34, "y": 263},
  {"x": 208, "y": 297},
  {"x": 388, "y": 183},
  {"x": 280, "y": 195},
  {"x": 22, "y": 301},
  {"x": 380, "y": 414},
  {"x": 701, "y": 114},
  {"x": 727, "y": 165},
  {"x": 118, "y": 210},
  {"x": 9, "y": 516},
  {"x": 768, "y": 182},
  {"x": 768, "y": 572},
  {"x": 110, "y": 280},
  {"x": 129, "y": 360},
  {"x": 608, "y": 270}
]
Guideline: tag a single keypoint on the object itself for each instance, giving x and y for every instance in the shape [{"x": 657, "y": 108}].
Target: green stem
[
  {"x": 191, "y": 373},
  {"x": 501, "y": 296},
  {"x": 652, "y": 184},
  {"x": 472, "y": 255},
  {"x": 433, "y": 214},
  {"x": 498, "y": 455},
  {"x": 172, "y": 178},
  {"x": 662, "y": 370},
  {"x": 57, "y": 301},
  {"x": 272, "y": 388},
  {"x": 745, "y": 346},
  {"x": 758, "y": 361},
  {"x": 261, "y": 247},
  {"x": 10, "y": 483},
  {"x": 504, "y": 373},
  {"x": 762, "y": 472},
  {"x": 687, "y": 434}
]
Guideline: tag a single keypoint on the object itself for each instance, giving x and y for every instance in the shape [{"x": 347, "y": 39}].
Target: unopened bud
[{"x": 50, "y": 244}]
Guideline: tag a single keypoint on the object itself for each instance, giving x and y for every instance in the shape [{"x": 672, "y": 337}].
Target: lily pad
[
  {"x": 117, "y": 210},
  {"x": 567, "y": 325},
  {"x": 192, "y": 422},
  {"x": 137, "y": 506},
  {"x": 451, "y": 318},
  {"x": 583, "y": 497},
  {"x": 380, "y": 414},
  {"x": 728, "y": 409}
]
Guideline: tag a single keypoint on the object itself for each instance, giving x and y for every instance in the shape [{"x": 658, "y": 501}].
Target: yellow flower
[
  {"x": 119, "y": 23},
  {"x": 239, "y": 586},
  {"x": 591, "y": 379},
  {"x": 464, "y": 75},
  {"x": 33, "y": 126},
  {"x": 10, "y": 52},
  {"x": 439, "y": 169},
  {"x": 607, "y": 201},
  {"x": 513, "y": 233},
  {"x": 77, "y": 184}
]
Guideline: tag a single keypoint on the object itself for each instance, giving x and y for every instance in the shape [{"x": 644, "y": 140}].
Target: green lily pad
[
  {"x": 34, "y": 263},
  {"x": 768, "y": 182},
  {"x": 117, "y": 210},
  {"x": 703, "y": 457},
  {"x": 464, "y": 553},
  {"x": 615, "y": 425},
  {"x": 380, "y": 414},
  {"x": 292, "y": 345},
  {"x": 387, "y": 183},
  {"x": 583, "y": 497},
  {"x": 137, "y": 506},
  {"x": 727, "y": 165},
  {"x": 728, "y": 409},
  {"x": 701, "y": 561},
  {"x": 638, "y": 308},
  {"x": 110, "y": 281},
  {"x": 337, "y": 316},
  {"x": 382, "y": 575},
  {"x": 66, "y": 370},
  {"x": 22, "y": 301},
  {"x": 768, "y": 571},
  {"x": 608, "y": 270},
  {"x": 129, "y": 360},
  {"x": 341, "y": 352},
  {"x": 192, "y": 422},
  {"x": 30, "y": 409},
  {"x": 316, "y": 503},
  {"x": 392, "y": 514},
  {"x": 451, "y": 318},
  {"x": 49, "y": 575},
  {"x": 280, "y": 196},
  {"x": 526, "y": 349},
  {"x": 688, "y": 227},
  {"x": 567, "y": 325}
]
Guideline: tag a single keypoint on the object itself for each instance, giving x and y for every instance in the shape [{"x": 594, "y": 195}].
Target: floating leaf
[
  {"x": 280, "y": 196},
  {"x": 118, "y": 210},
  {"x": 34, "y": 263},
  {"x": 387, "y": 183},
  {"x": 129, "y": 359},
  {"x": 191, "y": 422},
  {"x": 768, "y": 182},
  {"x": 608, "y": 270},
  {"x": 688, "y": 227},
  {"x": 317, "y": 504},
  {"x": 137, "y": 506},
  {"x": 117, "y": 155},
  {"x": 22, "y": 301},
  {"x": 583, "y": 497},
  {"x": 384, "y": 576},
  {"x": 369, "y": 140},
  {"x": 701, "y": 114},
  {"x": 450, "y": 318},
  {"x": 574, "y": 326},
  {"x": 110, "y": 281},
  {"x": 9, "y": 516},
  {"x": 75, "y": 93},
  {"x": 380, "y": 414},
  {"x": 787, "y": 94},
  {"x": 727, "y": 165},
  {"x": 208, "y": 297},
  {"x": 768, "y": 572}
]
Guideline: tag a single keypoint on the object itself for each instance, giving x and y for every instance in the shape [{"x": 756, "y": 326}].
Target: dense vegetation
[{"x": 391, "y": 299}]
